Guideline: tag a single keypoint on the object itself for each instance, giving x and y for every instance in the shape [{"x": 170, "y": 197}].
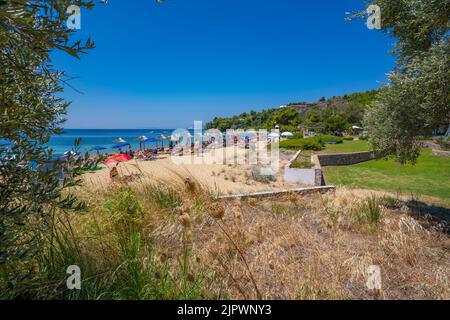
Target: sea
[{"x": 90, "y": 138}]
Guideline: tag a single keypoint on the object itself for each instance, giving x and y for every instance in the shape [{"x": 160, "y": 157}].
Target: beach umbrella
[
  {"x": 162, "y": 138},
  {"x": 121, "y": 145},
  {"x": 118, "y": 158},
  {"x": 151, "y": 140},
  {"x": 142, "y": 140},
  {"x": 287, "y": 134},
  {"x": 247, "y": 135},
  {"x": 273, "y": 135},
  {"x": 98, "y": 148},
  {"x": 119, "y": 140}
]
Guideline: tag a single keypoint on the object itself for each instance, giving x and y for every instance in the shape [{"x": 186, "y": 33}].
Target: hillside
[{"x": 335, "y": 113}]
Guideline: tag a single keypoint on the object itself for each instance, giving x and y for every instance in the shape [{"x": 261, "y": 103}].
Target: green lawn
[
  {"x": 430, "y": 176},
  {"x": 347, "y": 146}
]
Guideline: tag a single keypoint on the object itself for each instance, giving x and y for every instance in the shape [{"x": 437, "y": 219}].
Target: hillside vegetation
[{"x": 341, "y": 112}]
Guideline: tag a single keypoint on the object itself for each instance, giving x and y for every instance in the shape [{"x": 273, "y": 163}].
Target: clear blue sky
[{"x": 164, "y": 66}]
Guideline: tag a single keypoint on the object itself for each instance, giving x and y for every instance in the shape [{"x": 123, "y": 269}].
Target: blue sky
[{"x": 164, "y": 66}]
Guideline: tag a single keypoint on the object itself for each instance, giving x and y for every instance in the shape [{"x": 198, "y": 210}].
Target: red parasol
[{"x": 118, "y": 158}]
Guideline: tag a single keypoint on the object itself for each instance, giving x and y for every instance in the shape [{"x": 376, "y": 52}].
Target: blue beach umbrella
[
  {"x": 152, "y": 140},
  {"x": 121, "y": 145},
  {"x": 247, "y": 135},
  {"x": 98, "y": 148}
]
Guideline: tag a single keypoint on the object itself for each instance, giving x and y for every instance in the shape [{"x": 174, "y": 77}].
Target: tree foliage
[
  {"x": 31, "y": 111},
  {"x": 416, "y": 99},
  {"x": 342, "y": 110},
  {"x": 285, "y": 118}
]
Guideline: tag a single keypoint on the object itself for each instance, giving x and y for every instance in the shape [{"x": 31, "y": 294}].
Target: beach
[{"x": 221, "y": 179}]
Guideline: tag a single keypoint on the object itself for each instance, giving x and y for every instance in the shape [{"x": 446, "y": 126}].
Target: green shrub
[
  {"x": 302, "y": 144},
  {"x": 164, "y": 197},
  {"x": 364, "y": 138},
  {"x": 123, "y": 202},
  {"x": 297, "y": 135},
  {"x": 370, "y": 211},
  {"x": 389, "y": 202},
  {"x": 329, "y": 139},
  {"x": 312, "y": 144},
  {"x": 302, "y": 162},
  {"x": 349, "y": 138},
  {"x": 291, "y": 144}
]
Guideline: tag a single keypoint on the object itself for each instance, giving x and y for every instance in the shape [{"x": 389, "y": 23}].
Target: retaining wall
[
  {"x": 314, "y": 176},
  {"x": 441, "y": 153},
  {"x": 345, "y": 159},
  {"x": 296, "y": 175},
  {"x": 302, "y": 191}
]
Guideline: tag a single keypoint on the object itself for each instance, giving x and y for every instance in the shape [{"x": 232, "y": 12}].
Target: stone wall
[
  {"x": 441, "y": 153},
  {"x": 314, "y": 176},
  {"x": 318, "y": 175},
  {"x": 296, "y": 175},
  {"x": 429, "y": 144},
  {"x": 344, "y": 159}
]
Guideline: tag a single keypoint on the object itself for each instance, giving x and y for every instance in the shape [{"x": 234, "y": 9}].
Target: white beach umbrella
[
  {"x": 163, "y": 137},
  {"x": 119, "y": 140},
  {"x": 142, "y": 140},
  {"x": 273, "y": 135},
  {"x": 287, "y": 134}
]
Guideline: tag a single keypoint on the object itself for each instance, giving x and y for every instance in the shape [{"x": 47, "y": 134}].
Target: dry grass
[{"x": 293, "y": 247}]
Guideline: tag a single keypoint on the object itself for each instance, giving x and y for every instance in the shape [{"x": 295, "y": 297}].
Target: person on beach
[{"x": 114, "y": 173}]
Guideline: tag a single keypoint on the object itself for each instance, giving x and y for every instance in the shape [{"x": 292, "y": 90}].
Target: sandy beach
[{"x": 222, "y": 179}]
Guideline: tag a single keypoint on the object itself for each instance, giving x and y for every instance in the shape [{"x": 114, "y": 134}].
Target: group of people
[{"x": 147, "y": 154}]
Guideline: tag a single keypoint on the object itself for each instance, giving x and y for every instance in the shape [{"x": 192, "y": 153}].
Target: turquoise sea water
[{"x": 104, "y": 137}]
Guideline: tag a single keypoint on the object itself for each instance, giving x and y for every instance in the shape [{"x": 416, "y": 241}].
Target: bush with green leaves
[
  {"x": 302, "y": 144},
  {"x": 329, "y": 139},
  {"x": 416, "y": 101},
  {"x": 297, "y": 135},
  {"x": 31, "y": 111}
]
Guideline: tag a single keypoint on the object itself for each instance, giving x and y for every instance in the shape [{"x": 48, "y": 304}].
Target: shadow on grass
[{"x": 436, "y": 214}]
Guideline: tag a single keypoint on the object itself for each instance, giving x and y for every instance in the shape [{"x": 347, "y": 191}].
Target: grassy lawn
[
  {"x": 347, "y": 146},
  {"x": 430, "y": 176}
]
